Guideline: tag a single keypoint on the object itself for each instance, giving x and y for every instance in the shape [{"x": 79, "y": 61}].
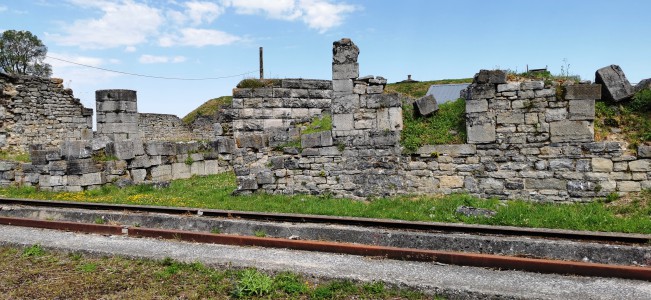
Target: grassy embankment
[{"x": 34, "y": 273}]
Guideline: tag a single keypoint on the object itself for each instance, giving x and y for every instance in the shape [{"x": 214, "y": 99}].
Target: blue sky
[{"x": 219, "y": 38}]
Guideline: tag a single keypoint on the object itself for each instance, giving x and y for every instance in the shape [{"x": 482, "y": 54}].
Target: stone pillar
[
  {"x": 117, "y": 114},
  {"x": 345, "y": 69}
]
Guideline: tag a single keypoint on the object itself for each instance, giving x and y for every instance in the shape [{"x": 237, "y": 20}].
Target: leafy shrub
[
  {"x": 641, "y": 101},
  {"x": 253, "y": 283}
]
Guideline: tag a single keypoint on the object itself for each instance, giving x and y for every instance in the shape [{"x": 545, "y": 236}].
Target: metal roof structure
[{"x": 446, "y": 92}]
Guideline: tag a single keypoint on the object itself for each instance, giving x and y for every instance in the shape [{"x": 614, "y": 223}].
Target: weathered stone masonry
[
  {"x": 526, "y": 140},
  {"x": 40, "y": 110}
]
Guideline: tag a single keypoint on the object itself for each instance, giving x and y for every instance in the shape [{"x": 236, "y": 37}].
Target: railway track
[{"x": 402, "y": 253}]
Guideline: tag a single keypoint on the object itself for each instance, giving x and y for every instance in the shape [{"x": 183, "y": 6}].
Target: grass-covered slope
[
  {"x": 446, "y": 126},
  {"x": 210, "y": 108}
]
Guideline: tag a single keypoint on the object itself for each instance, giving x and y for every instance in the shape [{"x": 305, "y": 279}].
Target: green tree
[{"x": 22, "y": 53}]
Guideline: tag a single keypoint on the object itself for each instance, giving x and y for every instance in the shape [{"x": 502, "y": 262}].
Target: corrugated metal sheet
[{"x": 446, "y": 92}]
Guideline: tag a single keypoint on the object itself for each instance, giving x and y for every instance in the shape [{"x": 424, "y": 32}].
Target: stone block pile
[{"x": 89, "y": 164}]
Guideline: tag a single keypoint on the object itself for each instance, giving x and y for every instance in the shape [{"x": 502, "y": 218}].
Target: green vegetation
[
  {"x": 419, "y": 89},
  {"x": 54, "y": 275},
  {"x": 210, "y": 108},
  {"x": 258, "y": 83},
  {"x": 631, "y": 119},
  {"x": 628, "y": 214},
  {"x": 323, "y": 123},
  {"x": 446, "y": 126},
  {"x": 15, "y": 156}
]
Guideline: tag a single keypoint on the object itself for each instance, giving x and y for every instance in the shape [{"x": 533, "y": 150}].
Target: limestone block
[
  {"x": 555, "y": 114},
  {"x": 561, "y": 164},
  {"x": 490, "y": 76},
  {"x": 381, "y": 100},
  {"x": 181, "y": 171},
  {"x": 247, "y": 183},
  {"x": 545, "y": 93},
  {"x": 160, "y": 148},
  {"x": 582, "y": 92},
  {"x": 211, "y": 167},
  {"x": 360, "y": 88},
  {"x": 161, "y": 173},
  {"x": 345, "y": 104},
  {"x": 198, "y": 168},
  {"x": 395, "y": 118},
  {"x": 76, "y": 149},
  {"x": 508, "y": 87},
  {"x": 473, "y": 106},
  {"x": 345, "y": 71},
  {"x": 124, "y": 149},
  {"x": 427, "y": 105},
  {"x": 265, "y": 177},
  {"x": 272, "y": 123},
  {"x": 582, "y": 109},
  {"x": 90, "y": 179},
  {"x": 510, "y": 118},
  {"x": 480, "y": 91},
  {"x": 255, "y": 141},
  {"x": 644, "y": 151},
  {"x": 342, "y": 86},
  {"x": 640, "y": 165},
  {"x": 614, "y": 85},
  {"x": 344, "y": 51},
  {"x": 532, "y": 85},
  {"x": 571, "y": 131},
  {"x": 375, "y": 89},
  {"x": 527, "y": 94},
  {"x": 629, "y": 186},
  {"x": 545, "y": 184},
  {"x": 451, "y": 182},
  {"x": 343, "y": 122},
  {"x": 224, "y": 145},
  {"x": 382, "y": 119},
  {"x": 138, "y": 175},
  {"x": 81, "y": 166},
  {"x": 448, "y": 150},
  {"x": 480, "y": 128}
]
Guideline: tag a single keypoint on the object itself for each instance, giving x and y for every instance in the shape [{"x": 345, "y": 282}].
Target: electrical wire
[{"x": 150, "y": 76}]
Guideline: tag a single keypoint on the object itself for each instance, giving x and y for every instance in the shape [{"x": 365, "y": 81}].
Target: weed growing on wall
[{"x": 630, "y": 120}]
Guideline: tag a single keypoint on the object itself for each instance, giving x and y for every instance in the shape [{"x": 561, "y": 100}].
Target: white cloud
[
  {"x": 276, "y": 9},
  {"x": 123, "y": 23},
  {"x": 317, "y": 14},
  {"x": 152, "y": 59},
  {"x": 323, "y": 15},
  {"x": 203, "y": 12},
  {"x": 130, "y": 49},
  {"x": 199, "y": 38}
]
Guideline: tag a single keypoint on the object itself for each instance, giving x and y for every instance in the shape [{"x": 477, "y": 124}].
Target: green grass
[
  {"x": 446, "y": 126},
  {"x": 324, "y": 123},
  {"x": 55, "y": 275},
  {"x": 210, "y": 108},
  {"x": 15, "y": 156},
  {"x": 632, "y": 214},
  {"x": 632, "y": 118},
  {"x": 258, "y": 83},
  {"x": 419, "y": 89}
]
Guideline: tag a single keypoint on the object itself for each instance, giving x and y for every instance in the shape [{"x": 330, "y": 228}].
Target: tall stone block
[
  {"x": 117, "y": 114},
  {"x": 614, "y": 85}
]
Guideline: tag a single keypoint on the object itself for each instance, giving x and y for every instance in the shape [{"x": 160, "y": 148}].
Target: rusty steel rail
[
  {"x": 445, "y": 257},
  {"x": 587, "y": 236}
]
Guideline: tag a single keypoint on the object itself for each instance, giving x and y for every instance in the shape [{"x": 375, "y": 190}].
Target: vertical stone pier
[
  {"x": 362, "y": 115},
  {"x": 117, "y": 114}
]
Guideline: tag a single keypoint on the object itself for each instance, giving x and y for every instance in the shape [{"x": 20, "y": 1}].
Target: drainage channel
[{"x": 444, "y": 257}]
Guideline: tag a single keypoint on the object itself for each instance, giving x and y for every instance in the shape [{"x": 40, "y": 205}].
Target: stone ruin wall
[
  {"x": 40, "y": 110},
  {"x": 526, "y": 140},
  {"x": 163, "y": 127}
]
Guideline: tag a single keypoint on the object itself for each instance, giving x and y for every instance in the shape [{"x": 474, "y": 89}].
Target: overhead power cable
[{"x": 150, "y": 76}]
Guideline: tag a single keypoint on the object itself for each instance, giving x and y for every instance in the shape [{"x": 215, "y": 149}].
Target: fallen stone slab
[
  {"x": 614, "y": 85},
  {"x": 426, "y": 106}
]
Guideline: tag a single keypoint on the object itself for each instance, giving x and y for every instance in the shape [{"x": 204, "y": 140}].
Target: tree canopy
[{"x": 22, "y": 53}]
